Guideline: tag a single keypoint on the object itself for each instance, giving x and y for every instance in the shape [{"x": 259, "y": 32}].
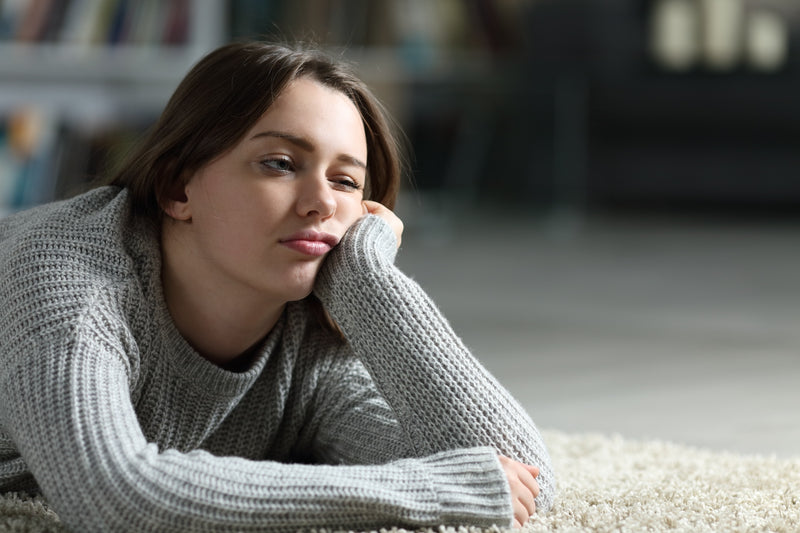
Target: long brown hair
[
  {"x": 221, "y": 99},
  {"x": 223, "y": 96}
]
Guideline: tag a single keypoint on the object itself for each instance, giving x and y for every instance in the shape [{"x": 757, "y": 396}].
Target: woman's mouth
[{"x": 311, "y": 243}]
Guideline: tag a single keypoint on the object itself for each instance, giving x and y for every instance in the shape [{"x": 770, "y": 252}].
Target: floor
[{"x": 679, "y": 328}]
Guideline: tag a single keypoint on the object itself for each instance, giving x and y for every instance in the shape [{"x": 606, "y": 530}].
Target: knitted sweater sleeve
[
  {"x": 65, "y": 400},
  {"x": 443, "y": 398}
]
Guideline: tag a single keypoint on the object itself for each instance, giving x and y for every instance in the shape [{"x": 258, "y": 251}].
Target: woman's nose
[{"x": 316, "y": 197}]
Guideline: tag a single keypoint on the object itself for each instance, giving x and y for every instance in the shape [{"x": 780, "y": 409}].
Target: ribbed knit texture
[{"x": 108, "y": 411}]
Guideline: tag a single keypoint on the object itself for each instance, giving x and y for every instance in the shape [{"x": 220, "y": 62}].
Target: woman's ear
[
  {"x": 175, "y": 202},
  {"x": 178, "y": 209}
]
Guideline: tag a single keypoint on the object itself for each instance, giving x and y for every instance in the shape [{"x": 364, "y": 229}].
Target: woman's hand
[
  {"x": 374, "y": 208},
  {"x": 524, "y": 488}
]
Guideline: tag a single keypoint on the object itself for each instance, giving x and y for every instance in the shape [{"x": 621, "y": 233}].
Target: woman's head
[{"x": 222, "y": 97}]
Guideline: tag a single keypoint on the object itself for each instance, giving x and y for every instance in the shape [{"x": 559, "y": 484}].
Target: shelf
[
  {"x": 59, "y": 73},
  {"x": 79, "y": 79},
  {"x": 61, "y": 63}
]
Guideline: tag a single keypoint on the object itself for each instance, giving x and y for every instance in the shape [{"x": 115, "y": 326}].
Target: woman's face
[{"x": 263, "y": 216}]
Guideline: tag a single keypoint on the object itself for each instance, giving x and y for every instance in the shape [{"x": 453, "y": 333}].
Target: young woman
[{"x": 219, "y": 340}]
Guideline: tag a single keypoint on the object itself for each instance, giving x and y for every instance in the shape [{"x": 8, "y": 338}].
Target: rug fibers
[{"x": 608, "y": 483}]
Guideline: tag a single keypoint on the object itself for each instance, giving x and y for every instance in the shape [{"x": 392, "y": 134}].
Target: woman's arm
[
  {"x": 65, "y": 401},
  {"x": 443, "y": 398}
]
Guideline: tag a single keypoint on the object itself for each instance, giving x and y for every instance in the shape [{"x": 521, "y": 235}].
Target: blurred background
[{"x": 602, "y": 195}]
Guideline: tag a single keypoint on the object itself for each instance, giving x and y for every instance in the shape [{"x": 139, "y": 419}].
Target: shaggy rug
[{"x": 612, "y": 484}]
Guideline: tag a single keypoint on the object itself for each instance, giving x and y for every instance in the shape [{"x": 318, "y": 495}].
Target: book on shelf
[
  {"x": 95, "y": 22},
  {"x": 45, "y": 158},
  {"x": 27, "y": 150}
]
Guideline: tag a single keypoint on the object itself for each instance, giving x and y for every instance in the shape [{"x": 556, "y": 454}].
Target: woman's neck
[{"x": 222, "y": 323}]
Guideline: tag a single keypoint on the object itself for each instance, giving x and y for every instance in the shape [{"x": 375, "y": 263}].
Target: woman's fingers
[
  {"x": 534, "y": 472},
  {"x": 521, "y": 513},
  {"x": 524, "y": 488},
  {"x": 531, "y": 491}
]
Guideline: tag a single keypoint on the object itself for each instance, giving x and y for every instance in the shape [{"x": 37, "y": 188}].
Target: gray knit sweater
[{"x": 107, "y": 410}]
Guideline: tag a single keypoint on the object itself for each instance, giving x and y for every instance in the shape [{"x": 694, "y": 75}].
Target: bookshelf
[{"x": 75, "y": 74}]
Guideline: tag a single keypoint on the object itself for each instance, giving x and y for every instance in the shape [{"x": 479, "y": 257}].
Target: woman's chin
[
  {"x": 299, "y": 296},
  {"x": 300, "y": 282},
  {"x": 298, "y": 291}
]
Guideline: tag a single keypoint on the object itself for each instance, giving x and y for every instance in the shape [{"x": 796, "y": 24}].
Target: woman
[{"x": 219, "y": 340}]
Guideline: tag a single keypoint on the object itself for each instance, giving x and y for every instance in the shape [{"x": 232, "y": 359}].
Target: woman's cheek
[{"x": 352, "y": 212}]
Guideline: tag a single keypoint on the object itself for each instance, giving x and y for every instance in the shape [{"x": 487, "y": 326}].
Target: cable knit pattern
[{"x": 108, "y": 411}]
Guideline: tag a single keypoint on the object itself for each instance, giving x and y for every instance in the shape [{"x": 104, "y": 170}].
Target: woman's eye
[
  {"x": 277, "y": 164},
  {"x": 346, "y": 184}
]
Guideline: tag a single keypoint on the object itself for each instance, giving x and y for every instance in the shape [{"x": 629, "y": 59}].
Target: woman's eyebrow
[
  {"x": 307, "y": 145},
  {"x": 302, "y": 142},
  {"x": 352, "y": 160}
]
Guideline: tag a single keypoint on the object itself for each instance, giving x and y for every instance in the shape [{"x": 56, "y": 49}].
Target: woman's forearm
[
  {"x": 83, "y": 444},
  {"x": 443, "y": 397}
]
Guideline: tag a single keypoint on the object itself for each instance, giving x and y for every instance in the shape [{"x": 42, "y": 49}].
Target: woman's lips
[{"x": 311, "y": 243}]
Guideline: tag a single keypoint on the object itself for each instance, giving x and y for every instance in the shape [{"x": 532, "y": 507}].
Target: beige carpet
[{"x": 613, "y": 484}]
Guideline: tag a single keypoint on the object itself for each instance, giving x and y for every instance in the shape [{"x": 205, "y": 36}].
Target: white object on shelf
[
  {"x": 767, "y": 41},
  {"x": 723, "y": 28},
  {"x": 674, "y": 32}
]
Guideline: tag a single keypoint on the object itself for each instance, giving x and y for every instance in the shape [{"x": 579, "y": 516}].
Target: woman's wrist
[
  {"x": 369, "y": 244},
  {"x": 368, "y": 247},
  {"x": 380, "y": 210},
  {"x": 471, "y": 487},
  {"x": 372, "y": 236}
]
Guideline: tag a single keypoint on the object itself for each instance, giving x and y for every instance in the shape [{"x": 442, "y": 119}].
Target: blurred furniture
[{"x": 628, "y": 132}]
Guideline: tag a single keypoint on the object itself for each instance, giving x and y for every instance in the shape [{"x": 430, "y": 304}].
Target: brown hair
[{"x": 222, "y": 97}]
